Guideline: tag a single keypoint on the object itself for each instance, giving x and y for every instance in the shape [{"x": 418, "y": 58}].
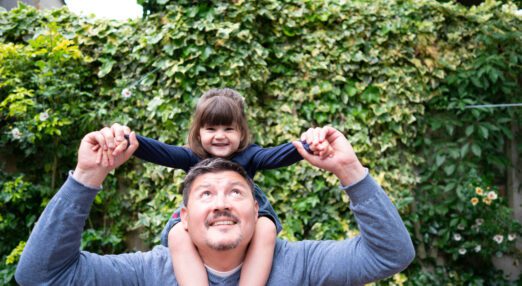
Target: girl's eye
[{"x": 210, "y": 128}]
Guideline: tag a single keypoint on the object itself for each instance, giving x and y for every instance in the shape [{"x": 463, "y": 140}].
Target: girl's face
[{"x": 220, "y": 140}]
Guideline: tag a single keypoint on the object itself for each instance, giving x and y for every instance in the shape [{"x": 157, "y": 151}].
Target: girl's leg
[
  {"x": 258, "y": 262},
  {"x": 187, "y": 263}
]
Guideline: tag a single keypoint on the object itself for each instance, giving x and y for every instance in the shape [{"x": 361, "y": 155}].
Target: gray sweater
[{"x": 52, "y": 255}]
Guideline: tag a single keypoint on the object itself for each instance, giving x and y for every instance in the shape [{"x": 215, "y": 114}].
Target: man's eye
[
  {"x": 236, "y": 193},
  {"x": 205, "y": 195}
]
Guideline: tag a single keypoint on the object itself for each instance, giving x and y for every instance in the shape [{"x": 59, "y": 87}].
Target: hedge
[{"x": 394, "y": 76}]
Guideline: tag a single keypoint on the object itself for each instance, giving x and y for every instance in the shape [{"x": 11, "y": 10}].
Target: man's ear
[{"x": 184, "y": 217}]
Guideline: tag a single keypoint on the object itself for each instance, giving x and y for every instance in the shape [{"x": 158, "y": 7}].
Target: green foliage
[
  {"x": 448, "y": 276},
  {"x": 470, "y": 227},
  {"x": 20, "y": 204},
  {"x": 464, "y": 148},
  {"x": 395, "y": 76}
]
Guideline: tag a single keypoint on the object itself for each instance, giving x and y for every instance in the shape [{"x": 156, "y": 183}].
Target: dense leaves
[{"x": 395, "y": 76}]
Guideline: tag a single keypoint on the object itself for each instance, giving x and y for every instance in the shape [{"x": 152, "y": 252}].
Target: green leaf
[
  {"x": 469, "y": 130},
  {"x": 371, "y": 94},
  {"x": 483, "y": 131},
  {"x": 477, "y": 151},
  {"x": 439, "y": 160},
  {"x": 449, "y": 169},
  {"x": 464, "y": 150},
  {"x": 454, "y": 153},
  {"x": 106, "y": 67}
]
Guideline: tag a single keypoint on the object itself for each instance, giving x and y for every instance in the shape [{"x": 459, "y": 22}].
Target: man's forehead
[{"x": 222, "y": 178}]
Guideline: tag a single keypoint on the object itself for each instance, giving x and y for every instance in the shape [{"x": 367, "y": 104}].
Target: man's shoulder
[
  {"x": 290, "y": 262},
  {"x": 280, "y": 273},
  {"x": 292, "y": 253},
  {"x": 300, "y": 247},
  {"x": 157, "y": 266}
]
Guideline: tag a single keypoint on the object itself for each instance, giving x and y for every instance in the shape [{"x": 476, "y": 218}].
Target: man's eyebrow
[
  {"x": 204, "y": 186},
  {"x": 239, "y": 183},
  {"x": 235, "y": 183}
]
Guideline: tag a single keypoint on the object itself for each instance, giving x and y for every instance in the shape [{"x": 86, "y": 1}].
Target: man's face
[{"x": 221, "y": 212}]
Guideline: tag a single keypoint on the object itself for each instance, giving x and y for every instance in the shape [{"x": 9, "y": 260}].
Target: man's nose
[{"x": 221, "y": 201}]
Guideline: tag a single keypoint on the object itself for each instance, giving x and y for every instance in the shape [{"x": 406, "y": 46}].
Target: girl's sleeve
[
  {"x": 160, "y": 153},
  {"x": 274, "y": 157}
]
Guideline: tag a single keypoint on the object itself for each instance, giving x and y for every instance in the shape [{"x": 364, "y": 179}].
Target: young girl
[{"x": 219, "y": 129}]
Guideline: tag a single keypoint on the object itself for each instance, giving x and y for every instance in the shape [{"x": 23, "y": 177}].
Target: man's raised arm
[
  {"x": 383, "y": 247},
  {"x": 52, "y": 254}
]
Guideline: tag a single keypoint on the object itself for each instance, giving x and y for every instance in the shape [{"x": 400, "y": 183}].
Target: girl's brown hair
[{"x": 219, "y": 107}]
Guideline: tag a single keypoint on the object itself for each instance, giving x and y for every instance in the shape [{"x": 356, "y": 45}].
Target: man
[{"x": 220, "y": 215}]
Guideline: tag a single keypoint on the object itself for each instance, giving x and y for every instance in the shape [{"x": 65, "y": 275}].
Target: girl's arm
[
  {"x": 258, "y": 261},
  {"x": 151, "y": 150},
  {"x": 160, "y": 153},
  {"x": 274, "y": 157}
]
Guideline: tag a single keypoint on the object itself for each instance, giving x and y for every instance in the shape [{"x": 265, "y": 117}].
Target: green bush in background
[{"x": 395, "y": 76}]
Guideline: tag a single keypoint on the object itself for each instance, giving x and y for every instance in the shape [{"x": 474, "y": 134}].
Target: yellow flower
[
  {"x": 487, "y": 201},
  {"x": 479, "y": 191},
  {"x": 474, "y": 201},
  {"x": 399, "y": 279}
]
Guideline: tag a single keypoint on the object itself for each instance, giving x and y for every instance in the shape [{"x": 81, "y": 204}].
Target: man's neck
[
  {"x": 223, "y": 274},
  {"x": 225, "y": 260}
]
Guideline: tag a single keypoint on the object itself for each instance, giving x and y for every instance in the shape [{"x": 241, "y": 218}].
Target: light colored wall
[{"x": 40, "y": 4}]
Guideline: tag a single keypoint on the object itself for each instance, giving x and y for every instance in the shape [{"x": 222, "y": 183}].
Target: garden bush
[{"x": 394, "y": 76}]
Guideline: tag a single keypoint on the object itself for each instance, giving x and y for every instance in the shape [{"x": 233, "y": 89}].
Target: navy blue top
[{"x": 252, "y": 159}]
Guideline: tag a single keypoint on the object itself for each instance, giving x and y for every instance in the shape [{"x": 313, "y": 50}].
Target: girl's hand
[
  {"x": 343, "y": 162},
  {"x": 119, "y": 131},
  {"x": 114, "y": 144},
  {"x": 317, "y": 145},
  {"x": 95, "y": 162}
]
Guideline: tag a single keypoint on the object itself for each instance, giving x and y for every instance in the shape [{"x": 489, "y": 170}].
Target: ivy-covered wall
[{"x": 394, "y": 76}]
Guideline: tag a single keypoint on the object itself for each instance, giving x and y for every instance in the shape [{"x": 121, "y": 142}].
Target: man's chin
[{"x": 224, "y": 245}]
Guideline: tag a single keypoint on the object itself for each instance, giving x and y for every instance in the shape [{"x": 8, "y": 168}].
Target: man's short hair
[{"x": 212, "y": 165}]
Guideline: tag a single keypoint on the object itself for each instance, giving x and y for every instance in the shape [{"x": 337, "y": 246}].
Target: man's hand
[
  {"x": 116, "y": 142},
  {"x": 342, "y": 160},
  {"x": 95, "y": 159}
]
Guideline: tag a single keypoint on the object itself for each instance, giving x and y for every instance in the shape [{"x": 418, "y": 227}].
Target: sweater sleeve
[
  {"x": 382, "y": 249},
  {"x": 52, "y": 254},
  {"x": 274, "y": 157},
  {"x": 160, "y": 153}
]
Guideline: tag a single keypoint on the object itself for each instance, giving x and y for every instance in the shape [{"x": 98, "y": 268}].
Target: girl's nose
[{"x": 220, "y": 134}]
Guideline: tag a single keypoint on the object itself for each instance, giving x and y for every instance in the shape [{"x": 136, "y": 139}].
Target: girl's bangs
[{"x": 220, "y": 113}]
